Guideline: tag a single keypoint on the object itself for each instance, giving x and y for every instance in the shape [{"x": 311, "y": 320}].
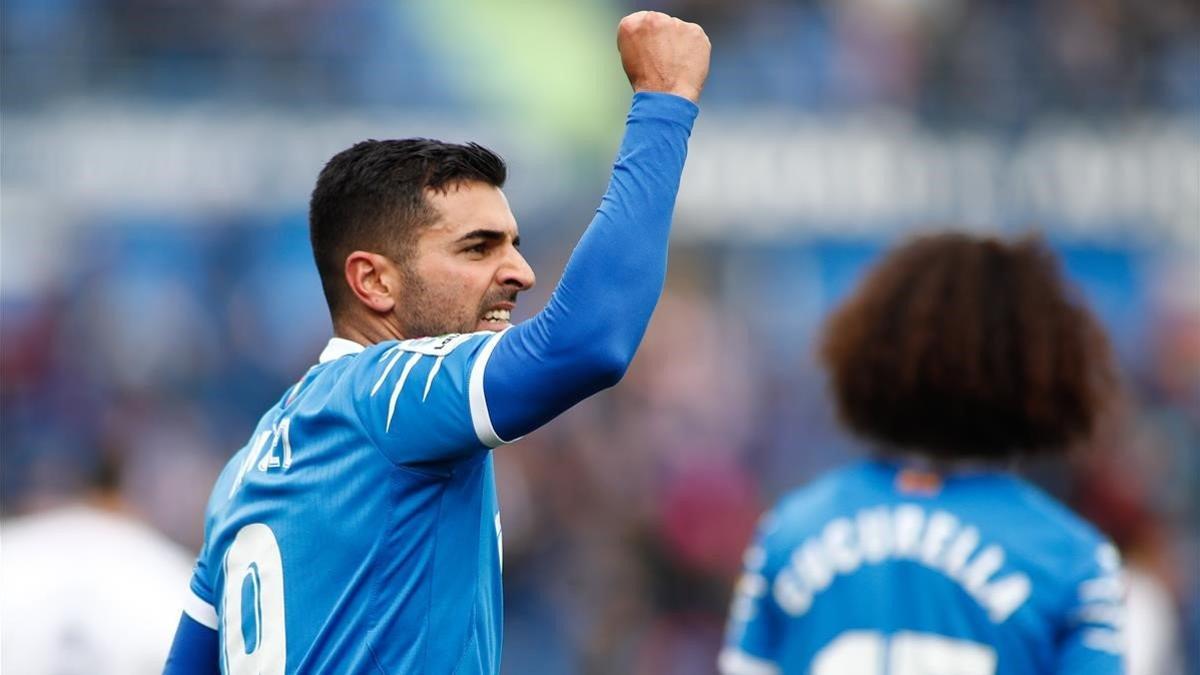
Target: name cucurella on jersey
[{"x": 937, "y": 540}]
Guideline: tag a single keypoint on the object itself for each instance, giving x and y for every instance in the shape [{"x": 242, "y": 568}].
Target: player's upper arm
[
  {"x": 1094, "y": 635},
  {"x": 198, "y": 602},
  {"x": 195, "y": 650},
  {"x": 422, "y": 400},
  {"x": 754, "y": 630}
]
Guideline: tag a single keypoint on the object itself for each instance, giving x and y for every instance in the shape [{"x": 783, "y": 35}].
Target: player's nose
[{"x": 516, "y": 272}]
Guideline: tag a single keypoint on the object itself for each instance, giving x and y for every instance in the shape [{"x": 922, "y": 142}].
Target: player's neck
[
  {"x": 366, "y": 332},
  {"x": 943, "y": 466}
]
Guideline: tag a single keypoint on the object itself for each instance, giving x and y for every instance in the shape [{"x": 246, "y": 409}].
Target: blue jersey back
[
  {"x": 358, "y": 530},
  {"x": 875, "y": 570}
]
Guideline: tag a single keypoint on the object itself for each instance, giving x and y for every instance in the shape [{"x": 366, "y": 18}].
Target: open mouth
[{"x": 498, "y": 316}]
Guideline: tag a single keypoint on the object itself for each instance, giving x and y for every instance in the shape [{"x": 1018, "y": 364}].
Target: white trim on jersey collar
[{"x": 339, "y": 347}]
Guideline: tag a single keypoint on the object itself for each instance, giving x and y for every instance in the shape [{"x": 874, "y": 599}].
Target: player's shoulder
[
  {"x": 381, "y": 357},
  {"x": 805, "y": 509},
  {"x": 831, "y": 490},
  {"x": 442, "y": 345},
  {"x": 1043, "y": 508},
  {"x": 353, "y": 375}
]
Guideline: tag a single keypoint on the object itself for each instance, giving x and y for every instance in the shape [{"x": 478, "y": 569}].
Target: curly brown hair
[{"x": 957, "y": 346}]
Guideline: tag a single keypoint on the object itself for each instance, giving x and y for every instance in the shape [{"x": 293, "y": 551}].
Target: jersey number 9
[{"x": 255, "y": 638}]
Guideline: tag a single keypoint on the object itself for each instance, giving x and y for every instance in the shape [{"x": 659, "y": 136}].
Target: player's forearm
[
  {"x": 615, "y": 276},
  {"x": 588, "y": 333}
]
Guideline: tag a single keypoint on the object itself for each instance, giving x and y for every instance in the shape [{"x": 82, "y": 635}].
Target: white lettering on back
[{"x": 876, "y": 535}]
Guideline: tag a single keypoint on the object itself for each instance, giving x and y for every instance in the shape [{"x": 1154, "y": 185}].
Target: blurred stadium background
[{"x": 157, "y": 292}]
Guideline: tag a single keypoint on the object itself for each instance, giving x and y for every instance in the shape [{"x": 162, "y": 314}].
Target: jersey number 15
[{"x": 866, "y": 652}]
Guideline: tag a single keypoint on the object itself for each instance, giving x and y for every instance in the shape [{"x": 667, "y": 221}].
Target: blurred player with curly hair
[{"x": 954, "y": 357}]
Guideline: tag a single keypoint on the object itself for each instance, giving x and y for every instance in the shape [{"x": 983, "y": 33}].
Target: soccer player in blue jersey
[
  {"x": 955, "y": 356},
  {"x": 358, "y": 530}
]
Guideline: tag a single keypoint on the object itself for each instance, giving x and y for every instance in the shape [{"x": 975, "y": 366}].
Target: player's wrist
[
  {"x": 664, "y": 105},
  {"x": 690, "y": 92}
]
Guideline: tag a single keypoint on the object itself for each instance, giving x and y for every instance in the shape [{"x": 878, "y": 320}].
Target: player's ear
[{"x": 373, "y": 279}]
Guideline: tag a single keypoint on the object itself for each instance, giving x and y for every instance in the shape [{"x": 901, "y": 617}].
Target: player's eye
[{"x": 478, "y": 249}]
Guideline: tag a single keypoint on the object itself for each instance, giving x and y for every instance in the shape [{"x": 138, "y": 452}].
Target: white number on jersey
[
  {"x": 908, "y": 653},
  {"x": 253, "y": 628}
]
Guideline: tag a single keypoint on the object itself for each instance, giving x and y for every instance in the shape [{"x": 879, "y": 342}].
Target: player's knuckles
[
  {"x": 637, "y": 22},
  {"x": 656, "y": 19},
  {"x": 631, "y": 19},
  {"x": 649, "y": 24},
  {"x": 694, "y": 32},
  {"x": 630, "y": 26}
]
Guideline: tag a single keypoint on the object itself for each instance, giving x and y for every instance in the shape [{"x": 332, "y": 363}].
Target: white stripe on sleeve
[
  {"x": 388, "y": 369},
  {"x": 408, "y": 366},
  {"x": 479, "y": 410},
  {"x": 437, "y": 365},
  {"x": 200, "y": 611}
]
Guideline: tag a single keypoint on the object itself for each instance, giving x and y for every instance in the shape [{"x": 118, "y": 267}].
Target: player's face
[{"x": 467, "y": 271}]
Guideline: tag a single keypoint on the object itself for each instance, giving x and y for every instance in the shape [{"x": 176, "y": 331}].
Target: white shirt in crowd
[{"x": 84, "y": 590}]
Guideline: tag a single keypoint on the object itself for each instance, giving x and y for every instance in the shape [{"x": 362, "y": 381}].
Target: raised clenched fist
[{"x": 662, "y": 53}]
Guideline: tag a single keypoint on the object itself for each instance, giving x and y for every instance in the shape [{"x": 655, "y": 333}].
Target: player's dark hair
[
  {"x": 372, "y": 197},
  {"x": 963, "y": 347}
]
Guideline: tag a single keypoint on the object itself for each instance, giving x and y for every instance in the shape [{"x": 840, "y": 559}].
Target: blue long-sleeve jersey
[
  {"x": 358, "y": 530},
  {"x": 879, "y": 570}
]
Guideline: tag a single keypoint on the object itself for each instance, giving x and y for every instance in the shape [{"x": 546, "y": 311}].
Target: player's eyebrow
[{"x": 490, "y": 236}]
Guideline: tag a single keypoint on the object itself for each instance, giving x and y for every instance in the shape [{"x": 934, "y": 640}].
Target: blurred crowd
[
  {"x": 997, "y": 61},
  {"x": 161, "y": 337},
  {"x": 953, "y": 61}
]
